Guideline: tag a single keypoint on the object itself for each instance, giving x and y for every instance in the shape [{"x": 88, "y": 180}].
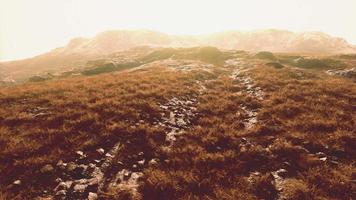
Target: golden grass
[{"x": 42, "y": 123}]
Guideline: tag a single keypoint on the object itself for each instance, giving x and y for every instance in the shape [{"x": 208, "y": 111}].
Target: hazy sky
[{"x": 31, "y": 27}]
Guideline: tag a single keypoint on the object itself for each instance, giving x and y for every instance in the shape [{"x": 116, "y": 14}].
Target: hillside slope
[
  {"x": 181, "y": 128},
  {"x": 80, "y": 50}
]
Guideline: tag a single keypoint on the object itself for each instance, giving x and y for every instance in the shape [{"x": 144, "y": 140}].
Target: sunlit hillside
[
  {"x": 195, "y": 123},
  {"x": 77, "y": 53},
  {"x": 177, "y": 100}
]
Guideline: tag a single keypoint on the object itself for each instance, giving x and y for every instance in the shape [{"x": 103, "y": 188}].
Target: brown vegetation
[{"x": 305, "y": 125}]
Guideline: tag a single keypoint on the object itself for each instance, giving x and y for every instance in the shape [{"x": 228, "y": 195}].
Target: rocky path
[
  {"x": 89, "y": 176},
  {"x": 241, "y": 75},
  {"x": 279, "y": 177},
  {"x": 178, "y": 115}
]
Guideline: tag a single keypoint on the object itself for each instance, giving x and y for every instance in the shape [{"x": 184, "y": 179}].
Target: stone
[
  {"x": 17, "y": 182},
  {"x": 323, "y": 159},
  {"x": 61, "y": 165},
  {"x": 45, "y": 198},
  {"x": 47, "y": 169},
  {"x": 91, "y": 167},
  {"x": 101, "y": 151},
  {"x": 81, "y": 169},
  {"x": 109, "y": 155},
  {"x": 126, "y": 174},
  {"x": 61, "y": 193},
  {"x": 153, "y": 162},
  {"x": 63, "y": 186},
  {"x": 282, "y": 173},
  {"x": 71, "y": 167},
  {"x": 120, "y": 163},
  {"x": 80, "y": 154},
  {"x": 320, "y": 154},
  {"x": 80, "y": 188},
  {"x": 92, "y": 196},
  {"x": 141, "y": 162},
  {"x": 286, "y": 164},
  {"x": 58, "y": 180}
]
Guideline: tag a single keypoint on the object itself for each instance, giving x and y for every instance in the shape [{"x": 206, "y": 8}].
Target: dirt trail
[{"x": 240, "y": 73}]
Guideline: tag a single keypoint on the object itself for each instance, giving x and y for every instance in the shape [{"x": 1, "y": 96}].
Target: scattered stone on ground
[
  {"x": 240, "y": 73},
  {"x": 348, "y": 73}
]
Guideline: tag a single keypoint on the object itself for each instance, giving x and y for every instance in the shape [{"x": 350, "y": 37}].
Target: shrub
[
  {"x": 265, "y": 55},
  {"x": 275, "y": 65}
]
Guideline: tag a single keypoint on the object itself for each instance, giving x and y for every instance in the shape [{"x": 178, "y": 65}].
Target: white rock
[
  {"x": 323, "y": 159},
  {"x": 47, "y": 169},
  {"x": 80, "y": 153},
  {"x": 58, "y": 180},
  {"x": 17, "y": 182},
  {"x": 109, "y": 155},
  {"x": 101, "y": 151},
  {"x": 92, "y": 196},
  {"x": 153, "y": 162},
  {"x": 61, "y": 193},
  {"x": 80, "y": 188},
  {"x": 63, "y": 186},
  {"x": 141, "y": 162}
]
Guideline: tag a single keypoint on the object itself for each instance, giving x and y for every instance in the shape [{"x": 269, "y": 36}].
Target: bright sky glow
[{"x": 29, "y": 28}]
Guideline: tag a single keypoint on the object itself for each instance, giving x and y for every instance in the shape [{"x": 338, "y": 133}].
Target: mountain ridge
[{"x": 79, "y": 50}]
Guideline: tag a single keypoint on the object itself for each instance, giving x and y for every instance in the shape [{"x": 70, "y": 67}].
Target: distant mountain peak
[{"x": 80, "y": 50}]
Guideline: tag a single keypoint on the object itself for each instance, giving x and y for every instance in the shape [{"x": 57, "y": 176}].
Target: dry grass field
[{"x": 231, "y": 127}]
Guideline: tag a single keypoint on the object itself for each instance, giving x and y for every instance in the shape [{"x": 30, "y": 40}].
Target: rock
[
  {"x": 91, "y": 168},
  {"x": 71, "y": 167},
  {"x": 323, "y": 159},
  {"x": 58, "y": 180},
  {"x": 320, "y": 154},
  {"x": 80, "y": 188},
  {"x": 243, "y": 140},
  {"x": 141, "y": 162},
  {"x": 126, "y": 174},
  {"x": 153, "y": 162},
  {"x": 282, "y": 173},
  {"x": 61, "y": 165},
  {"x": 45, "y": 198},
  {"x": 286, "y": 164},
  {"x": 61, "y": 193},
  {"x": 135, "y": 176},
  {"x": 17, "y": 182},
  {"x": 101, "y": 151},
  {"x": 80, "y": 154},
  {"x": 92, "y": 196},
  {"x": 348, "y": 73},
  {"x": 109, "y": 155},
  {"x": 81, "y": 169},
  {"x": 47, "y": 169},
  {"x": 63, "y": 186},
  {"x": 306, "y": 161}
]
